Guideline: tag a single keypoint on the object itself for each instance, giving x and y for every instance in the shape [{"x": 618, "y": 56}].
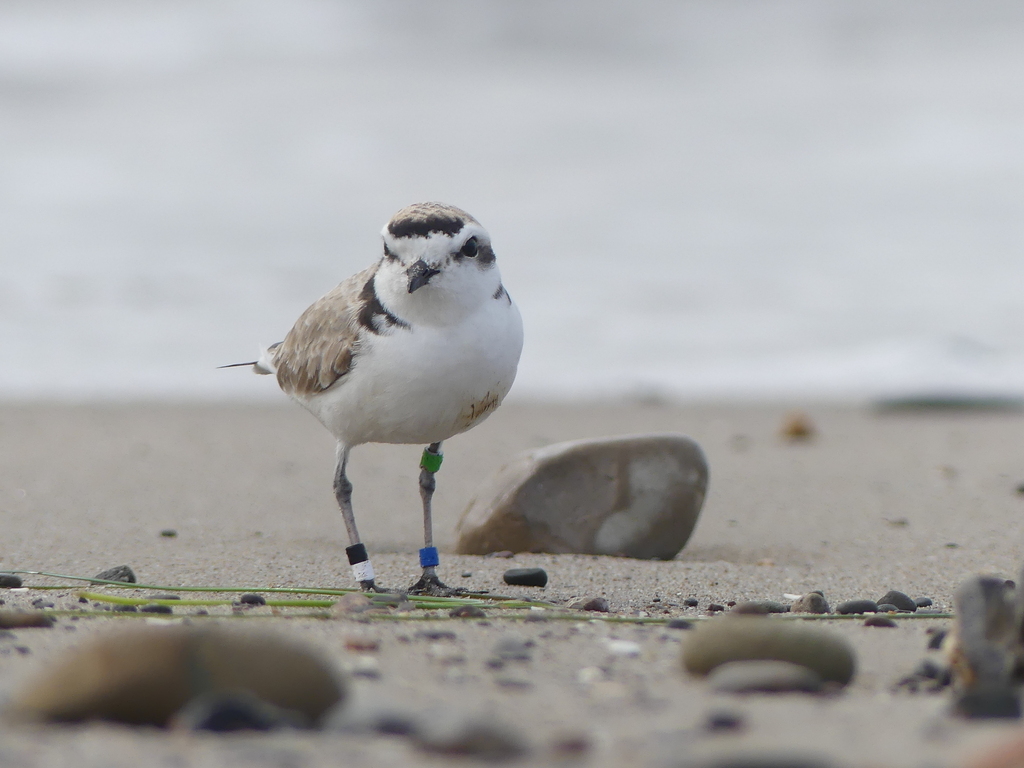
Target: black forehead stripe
[{"x": 446, "y": 224}]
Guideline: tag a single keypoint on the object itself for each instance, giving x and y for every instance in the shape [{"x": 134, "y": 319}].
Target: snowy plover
[{"x": 417, "y": 348}]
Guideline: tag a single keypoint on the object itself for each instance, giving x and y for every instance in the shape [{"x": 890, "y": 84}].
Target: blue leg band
[{"x": 428, "y": 557}]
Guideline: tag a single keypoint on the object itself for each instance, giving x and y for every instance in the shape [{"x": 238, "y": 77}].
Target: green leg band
[{"x": 431, "y": 461}]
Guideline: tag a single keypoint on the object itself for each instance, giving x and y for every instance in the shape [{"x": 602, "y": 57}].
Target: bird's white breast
[{"x": 425, "y": 383}]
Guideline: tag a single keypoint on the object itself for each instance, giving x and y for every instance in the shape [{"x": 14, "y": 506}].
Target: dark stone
[
  {"x": 936, "y": 636},
  {"x": 252, "y": 599},
  {"x": 119, "y": 573},
  {"x": 168, "y": 533},
  {"x": 879, "y": 621},
  {"x": 226, "y": 711},
  {"x": 988, "y": 702},
  {"x": 467, "y": 612},
  {"x": 435, "y": 634},
  {"x": 124, "y": 608},
  {"x": 922, "y": 602},
  {"x": 467, "y": 574},
  {"x": 10, "y": 581},
  {"x": 691, "y": 602},
  {"x": 887, "y": 608},
  {"x": 598, "y": 604},
  {"x": 928, "y": 669},
  {"x": 164, "y": 597},
  {"x": 679, "y": 624},
  {"x": 724, "y": 720},
  {"x": 901, "y": 600},
  {"x": 41, "y": 603},
  {"x": 155, "y": 608},
  {"x": 760, "y": 607},
  {"x": 857, "y": 606},
  {"x": 731, "y": 603},
  {"x": 526, "y": 577},
  {"x": 715, "y": 608},
  {"x": 19, "y": 620},
  {"x": 512, "y": 648},
  {"x": 1020, "y": 489}
]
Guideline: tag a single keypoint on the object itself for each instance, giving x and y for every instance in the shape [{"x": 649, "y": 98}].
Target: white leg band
[{"x": 363, "y": 571}]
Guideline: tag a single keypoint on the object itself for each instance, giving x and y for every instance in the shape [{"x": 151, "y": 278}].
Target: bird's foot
[
  {"x": 429, "y": 584},
  {"x": 371, "y": 586}
]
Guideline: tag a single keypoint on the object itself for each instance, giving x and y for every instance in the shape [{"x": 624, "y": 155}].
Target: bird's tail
[{"x": 264, "y": 366}]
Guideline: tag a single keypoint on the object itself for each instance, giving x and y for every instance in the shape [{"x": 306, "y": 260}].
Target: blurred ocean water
[{"x": 710, "y": 200}]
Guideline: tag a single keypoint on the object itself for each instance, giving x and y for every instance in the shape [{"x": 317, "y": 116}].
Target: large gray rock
[{"x": 634, "y": 496}]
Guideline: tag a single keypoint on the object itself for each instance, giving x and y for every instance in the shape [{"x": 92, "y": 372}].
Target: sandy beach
[{"x": 914, "y": 501}]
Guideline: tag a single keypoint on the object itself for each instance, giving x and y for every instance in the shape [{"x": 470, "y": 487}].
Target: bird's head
[{"x": 437, "y": 256}]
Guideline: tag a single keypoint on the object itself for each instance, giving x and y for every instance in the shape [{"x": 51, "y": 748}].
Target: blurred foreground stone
[
  {"x": 634, "y": 496},
  {"x": 748, "y": 638},
  {"x": 145, "y": 676}
]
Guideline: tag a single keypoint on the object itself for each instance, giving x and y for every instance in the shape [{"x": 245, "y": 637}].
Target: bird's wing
[{"x": 321, "y": 347}]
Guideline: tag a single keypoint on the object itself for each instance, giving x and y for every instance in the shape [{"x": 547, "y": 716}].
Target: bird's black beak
[{"x": 420, "y": 274}]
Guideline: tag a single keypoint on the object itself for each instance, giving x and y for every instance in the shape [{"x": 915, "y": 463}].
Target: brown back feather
[{"x": 322, "y": 345}]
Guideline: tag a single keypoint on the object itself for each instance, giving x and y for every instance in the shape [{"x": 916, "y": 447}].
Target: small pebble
[
  {"x": 797, "y": 426},
  {"x": 41, "y": 603},
  {"x": 252, "y": 599},
  {"x": 168, "y": 533},
  {"x": 594, "y": 604},
  {"x": 124, "y": 608},
  {"x": 164, "y": 597},
  {"x": 857, "y": 606},
  {"x": 724, "y": 720},
  {"x": 879, "y": 621},
  {"x": 361, "y": 644},
  {"x": 994, "y": 702},
  {"x": 118, "y": 573},
  {"x": 764, "y": 677},
  {"x": 467, "y": 574},
  {"x": 887, "y": 608},
  {"x": 467, "y": 612},
  {"x": 922, "y": 602},
  {"x": 435, "y": 634},
  {"x": 155, "y": 608},
  {"x": 526, "y": 577},
  {"x": 691, "y": 602},
  {"x": 760, "y": 607},
  {"x": 936, "y": 636},
  {"x": 715, "y": 608},
  {"x": 812, "y": 602},
  {"x": 10, "y": 580},
  {"x": 901, "y": 600},
  {"x": 513, "y": 648},
  {"x": 1020, "y": 489},
  {"x": 679, "y": 624},
  {"x": 353, "y": 602},
  {"x": 477, "y": 739}
]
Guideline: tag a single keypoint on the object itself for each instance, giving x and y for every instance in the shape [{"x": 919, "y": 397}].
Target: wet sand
[{"x": 911, "y": 501}]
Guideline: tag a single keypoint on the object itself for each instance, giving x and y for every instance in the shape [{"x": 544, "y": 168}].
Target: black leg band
[{"x": 356, "y": 554}]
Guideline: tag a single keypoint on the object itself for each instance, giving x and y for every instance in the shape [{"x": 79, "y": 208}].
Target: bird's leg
[
  {"x": 429, "y": 583},
  {"x": 357, "y": 556}
]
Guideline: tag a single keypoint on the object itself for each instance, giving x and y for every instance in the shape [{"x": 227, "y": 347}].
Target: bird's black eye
[{"x": 469, "y": 249}]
